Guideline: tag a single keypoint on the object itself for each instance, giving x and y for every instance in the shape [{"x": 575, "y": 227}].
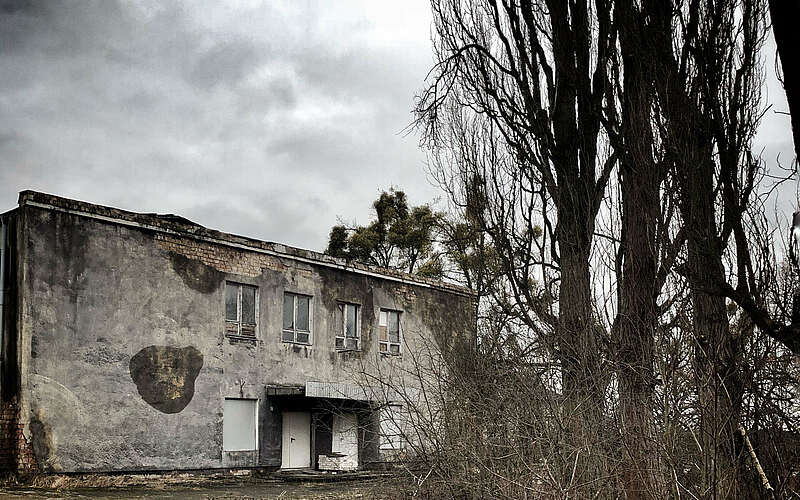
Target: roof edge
[{"x": 176, "y": 225}]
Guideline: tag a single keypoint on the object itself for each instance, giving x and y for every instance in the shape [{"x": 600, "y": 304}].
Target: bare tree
[
  {"x": 528, "y": 79},
  {"x": 530, "y": 108},
  {"x": 708, "y": 86},
  {"x": 640, "y": 176}
]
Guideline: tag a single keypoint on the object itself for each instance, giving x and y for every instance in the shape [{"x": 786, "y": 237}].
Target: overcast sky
[{"x": 263, "y": 119}]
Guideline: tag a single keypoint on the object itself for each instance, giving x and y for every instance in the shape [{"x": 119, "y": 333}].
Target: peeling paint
[{"x": 42, "y": 441}]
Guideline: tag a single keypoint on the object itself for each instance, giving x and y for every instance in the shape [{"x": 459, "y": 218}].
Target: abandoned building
[{"x": 145, "y": 342}]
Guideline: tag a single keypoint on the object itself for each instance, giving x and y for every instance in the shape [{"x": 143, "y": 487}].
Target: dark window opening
[
  {"x": 347, "y": 337},
  {"x": 296, "y": 318},
  {"x": 241, "y": 306}
]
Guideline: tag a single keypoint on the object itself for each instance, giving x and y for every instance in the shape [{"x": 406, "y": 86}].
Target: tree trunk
[
  {"x": 717, "y": 350},
  {"x": 638, "y": 312},
  {"x": 575, "y": 126},
  {"x": 785, "y": 14},
  {"x": 717, "y": 355},
  {"x": 583, "y": 384}
]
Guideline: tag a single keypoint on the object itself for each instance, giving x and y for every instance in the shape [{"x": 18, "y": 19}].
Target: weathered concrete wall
[{"x": 125, "y": 365}]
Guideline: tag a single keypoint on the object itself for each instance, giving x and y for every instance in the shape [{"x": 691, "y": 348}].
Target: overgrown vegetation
[{"x": 639, "y": 327}]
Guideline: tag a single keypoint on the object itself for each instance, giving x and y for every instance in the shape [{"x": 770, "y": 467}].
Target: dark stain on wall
[
  {"x": 69, "y": 242},
  {"x": 453, "y": 327},
  {"x": 164, "y": 376},
  {"x": 41, "y": 441},
  {"x": 348, "y": 287},
  {"x": 196, "y": 275}
]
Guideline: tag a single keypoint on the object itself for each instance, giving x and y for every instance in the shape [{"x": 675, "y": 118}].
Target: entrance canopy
[{"x": 335, "y": 390}]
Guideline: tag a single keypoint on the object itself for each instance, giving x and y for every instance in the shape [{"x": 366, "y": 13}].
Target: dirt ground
[{"x": 361, "y": 489}]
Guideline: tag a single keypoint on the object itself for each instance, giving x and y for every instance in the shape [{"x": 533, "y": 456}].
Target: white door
[{"x": 296, "y": 452}]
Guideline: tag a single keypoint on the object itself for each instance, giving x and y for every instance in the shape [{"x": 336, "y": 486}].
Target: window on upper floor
[
  {"x": 241, "y": 310},
  {"x": 296, "y": 318},
  {"x": 389, "y": 331},
  {"x": 347, "y": 338}
]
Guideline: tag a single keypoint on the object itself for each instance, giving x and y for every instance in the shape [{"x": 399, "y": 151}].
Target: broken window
[
  {"x": 240, "y": 310},
  {"x": 347, "y": 337},
  {"x": 239, "y": 430},
  {"x": 389, "y": 331},
  {"x": 296, "y": 318}
]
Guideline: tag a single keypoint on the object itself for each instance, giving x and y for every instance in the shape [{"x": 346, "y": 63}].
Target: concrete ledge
[{"x": 175, "y": 224}]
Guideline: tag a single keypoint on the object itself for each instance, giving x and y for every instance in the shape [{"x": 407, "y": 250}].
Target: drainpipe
[{"x": 2, "y": 287}]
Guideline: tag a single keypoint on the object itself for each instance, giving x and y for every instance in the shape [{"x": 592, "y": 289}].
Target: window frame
[
  {"x": 294, "y": 329},
  {"x": 238, "y": 322},
  {"x": 388, "y": 343},
  {"x": 341, "y": 333}
]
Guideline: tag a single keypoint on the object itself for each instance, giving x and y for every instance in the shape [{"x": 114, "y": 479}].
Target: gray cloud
[
  {"x": 224, "y": 63},
  {"x": 267, "y": 120}
]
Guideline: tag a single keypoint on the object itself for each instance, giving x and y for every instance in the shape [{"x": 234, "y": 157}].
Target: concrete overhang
[
  {"x": 286, "y": 390},
  {"x": 331, "y": 390},
  {"x": 338, "y": 390}
]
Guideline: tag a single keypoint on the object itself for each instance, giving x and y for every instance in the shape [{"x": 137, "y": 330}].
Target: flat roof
[{"x": 180, "y": 226}]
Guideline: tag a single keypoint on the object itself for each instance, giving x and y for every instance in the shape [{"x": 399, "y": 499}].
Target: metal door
[{"x": 296, "y": 449}]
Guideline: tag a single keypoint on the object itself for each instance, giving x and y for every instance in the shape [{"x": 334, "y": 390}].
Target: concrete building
[{"x": 146, "y": 342}]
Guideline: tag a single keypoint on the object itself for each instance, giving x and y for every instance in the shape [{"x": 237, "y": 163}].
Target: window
[
  {"x": 389, "y": 331},
  {"x": 347, "y": 337},
  {"x": 239, "y": 430},
  {"x": 296, "y": 318},
  {"x": 240, "y": 310}
]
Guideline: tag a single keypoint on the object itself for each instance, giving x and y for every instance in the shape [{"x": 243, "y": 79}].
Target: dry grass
[{"x": 100, "y": 480}]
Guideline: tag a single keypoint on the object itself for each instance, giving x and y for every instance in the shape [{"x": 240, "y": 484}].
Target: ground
[
  {"x": 184, "y": 486},
  {"x": 249, "y": 491}
]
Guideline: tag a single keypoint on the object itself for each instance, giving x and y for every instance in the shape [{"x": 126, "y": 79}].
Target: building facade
[{"x": 147, "y": 342}]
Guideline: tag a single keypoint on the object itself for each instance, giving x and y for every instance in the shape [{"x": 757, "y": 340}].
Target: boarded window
[
  {"x": 389, "y": 331},
  {"x": 296, "y": 318},
  {"x": 347, "y": 336},
  {"x": 239, "y": 425},
  {"x": 392, "y": 428},
  {"x": 241, "y": 310}
]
